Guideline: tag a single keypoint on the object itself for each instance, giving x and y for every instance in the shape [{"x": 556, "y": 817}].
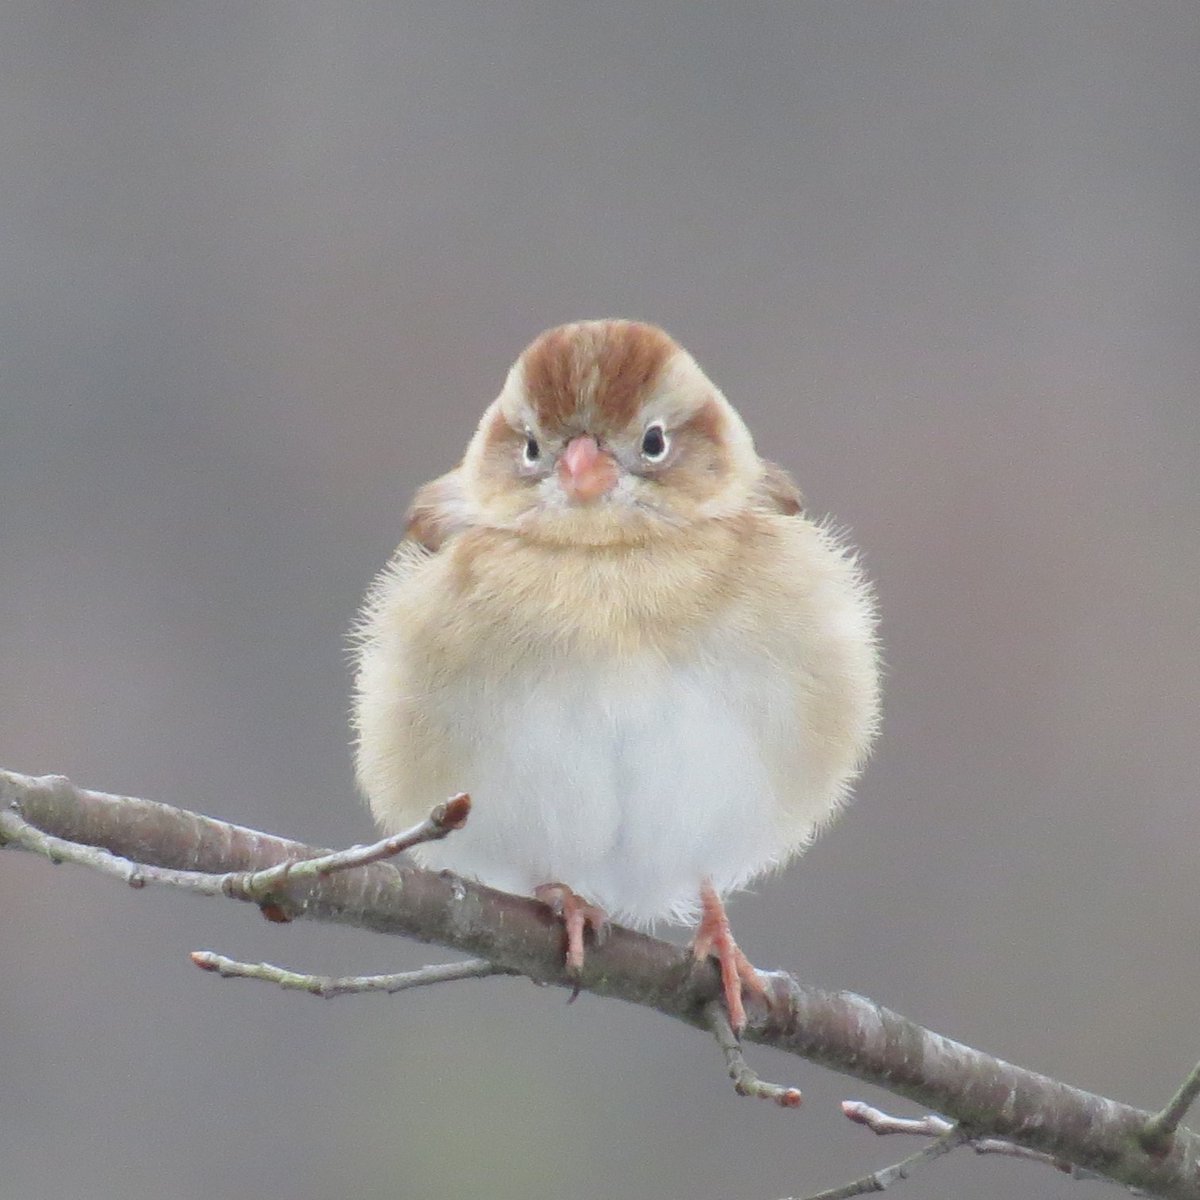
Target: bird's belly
[{"x": 630, "y": 785}]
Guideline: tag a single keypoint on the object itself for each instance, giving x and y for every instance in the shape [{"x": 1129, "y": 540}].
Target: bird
[{"x": 615, "y": 626}]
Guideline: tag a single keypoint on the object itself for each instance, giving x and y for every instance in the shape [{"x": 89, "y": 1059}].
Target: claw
[
  {"x": 578, "y": 916},
  {"x": 713, "y": 936}
]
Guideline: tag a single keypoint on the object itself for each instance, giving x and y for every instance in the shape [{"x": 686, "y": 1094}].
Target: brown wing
[
  {"x": 777, "y": 493},
  {"x": 438, "y": 511}
]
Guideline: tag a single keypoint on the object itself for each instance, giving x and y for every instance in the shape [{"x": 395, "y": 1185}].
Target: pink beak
[{"x": 585, "y": 471}]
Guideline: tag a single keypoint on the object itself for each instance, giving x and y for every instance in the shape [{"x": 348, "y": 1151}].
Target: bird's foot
[
  {"x": 713, "y": 936},
  {"x": 578, "y": 916}
]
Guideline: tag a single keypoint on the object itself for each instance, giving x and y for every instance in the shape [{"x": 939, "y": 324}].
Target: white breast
[{"x": 630, "y": 784}]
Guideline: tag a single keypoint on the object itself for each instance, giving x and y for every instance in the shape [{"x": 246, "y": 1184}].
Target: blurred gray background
[{"x": 263, "y": 266}]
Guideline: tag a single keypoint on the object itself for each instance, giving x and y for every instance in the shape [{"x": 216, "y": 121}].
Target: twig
[
  {"x": 883, "y": 1179},
  {"x": 877, "y": 1121},
  {"x": 745, "y": 1081},
  {"x": 932, "y": 1125},
  {"x": 1161, "y": 1127},
  {"x": 243, "y": 885},
  {"x": 15, "y": 830},
  {"x": 258, "y": 885},
  {"x": 328, "y": 986}
]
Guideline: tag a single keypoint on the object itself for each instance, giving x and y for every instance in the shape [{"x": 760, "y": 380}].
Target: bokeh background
[{"x": 263, "y": 266}]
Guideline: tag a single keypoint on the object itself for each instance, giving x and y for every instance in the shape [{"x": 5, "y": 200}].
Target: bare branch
[
  {"x": 328, "y": 986},
  {"x": 841, "y": 1030},
  {"x": 256, "y": 886},
  {"x": 883, "y": 1179},
  {"x": 745, "y": 1081}
]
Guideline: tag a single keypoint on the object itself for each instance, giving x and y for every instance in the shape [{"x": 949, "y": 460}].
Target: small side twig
[
  {"x": 16, "y": 830},
  {"x": 1160, "y": 1129},
  {"x": 932, "y": 1125},
  {"x": 745, "y": 1081},
  {"x": 246, "y": 885},
  {"x": 883, "y": 1179},
  {"x": 328, "y": 986},
  {"x": 259, "y": 885}
]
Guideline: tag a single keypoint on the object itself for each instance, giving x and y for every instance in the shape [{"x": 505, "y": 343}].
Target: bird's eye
[
  {"x": 532, "y": 450},
  {"x": 654, "y": 443}
]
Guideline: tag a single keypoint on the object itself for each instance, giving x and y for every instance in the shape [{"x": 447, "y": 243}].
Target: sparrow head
[{"x": 607, "y": 432}]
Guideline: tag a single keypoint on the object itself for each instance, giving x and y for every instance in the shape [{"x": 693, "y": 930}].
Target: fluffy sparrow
[{"x": 614, "y": 627}]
